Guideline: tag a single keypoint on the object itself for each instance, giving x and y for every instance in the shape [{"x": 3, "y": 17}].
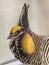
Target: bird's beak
[{"x": 9, "y": 37}]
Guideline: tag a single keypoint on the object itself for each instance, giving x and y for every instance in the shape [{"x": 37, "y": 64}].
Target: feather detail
[{"x": 23, "y": 19}]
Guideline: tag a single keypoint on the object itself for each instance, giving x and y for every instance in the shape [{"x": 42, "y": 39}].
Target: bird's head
[
  {"x": 21, "y": 41},
  {"x": 15, "y": 32}
]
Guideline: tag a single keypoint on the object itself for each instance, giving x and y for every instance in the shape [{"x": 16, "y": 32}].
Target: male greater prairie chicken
[{"x": 27, "y": 46}]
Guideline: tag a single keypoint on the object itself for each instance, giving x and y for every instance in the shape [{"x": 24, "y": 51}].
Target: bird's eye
[{"x": 18, "y": 31}]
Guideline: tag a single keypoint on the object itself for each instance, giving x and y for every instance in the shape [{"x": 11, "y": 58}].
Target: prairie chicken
[{"x": 27, "y": 46}]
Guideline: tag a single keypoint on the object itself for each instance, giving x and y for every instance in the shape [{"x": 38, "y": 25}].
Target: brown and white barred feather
[{"x": 41, "y": 55}]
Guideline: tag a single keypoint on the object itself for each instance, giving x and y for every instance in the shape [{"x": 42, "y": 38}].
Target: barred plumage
[
  {"x": 41, "y": 54},
  {"x": 40, "y": 57},
  {"x": 42, "y": 47}
]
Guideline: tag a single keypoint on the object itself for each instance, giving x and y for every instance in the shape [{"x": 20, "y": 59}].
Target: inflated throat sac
[{"x": 27, "y": 44}]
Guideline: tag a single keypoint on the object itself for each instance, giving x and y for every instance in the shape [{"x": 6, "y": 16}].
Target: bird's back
[{"x": 41, "y": 56}]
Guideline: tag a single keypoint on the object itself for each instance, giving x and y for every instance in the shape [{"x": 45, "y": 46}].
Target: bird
[{"x": 27, "y": 46}]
